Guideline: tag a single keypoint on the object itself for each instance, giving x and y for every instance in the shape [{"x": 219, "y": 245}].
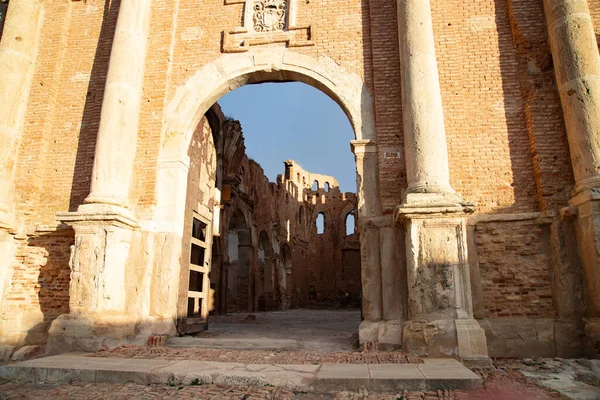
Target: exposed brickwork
[
  {"x": 515, "y": 263},
  {"x": 496, "y": 145},
  {"x": 483, "y": 108},
  {"x": 40, "y": 280}
]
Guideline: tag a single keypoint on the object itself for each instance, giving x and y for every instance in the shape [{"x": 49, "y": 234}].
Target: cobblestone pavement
[
  {"x": 499, "y": 386},
  {"x": 259, "y": 356}
]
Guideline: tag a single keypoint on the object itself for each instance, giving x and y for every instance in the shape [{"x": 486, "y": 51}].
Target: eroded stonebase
[
  {"x": 389, "y": 335},
  {"x": 592, "y": 337},
  {"x": 368, "y": 333},
  {"x": 446, "y": 338},
  {"x": 533, "y": 337},
  {"x": 70, "y": 333}
]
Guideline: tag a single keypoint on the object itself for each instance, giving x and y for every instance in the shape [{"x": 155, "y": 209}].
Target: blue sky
[{"x": 284, "y": 121}]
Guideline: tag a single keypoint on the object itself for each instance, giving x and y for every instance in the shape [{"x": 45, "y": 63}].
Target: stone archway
[{"x": 232, "y": 71}]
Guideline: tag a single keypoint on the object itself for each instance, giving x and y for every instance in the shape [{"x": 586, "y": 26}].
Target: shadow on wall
[
  {"x": 49, "y": 254},
  {"x": 90, "y": 121},
  {"x": 539, "y": 153}
]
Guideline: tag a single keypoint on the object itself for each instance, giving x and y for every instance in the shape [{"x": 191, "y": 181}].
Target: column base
[
  {"x": 90, "y": 332},
  {"x": 441, "y": 320},
  {"x": 588, "y": 238},
  {"x": 592, "y": 337},
  {"x": 462, "y": 338},
  {"x": 368, "y": 334},
  {"x": 389, "y": 335},
  {"x": 420, "y": 200}
]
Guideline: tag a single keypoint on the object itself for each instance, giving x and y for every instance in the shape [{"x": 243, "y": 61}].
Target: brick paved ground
[
  {"x": 499, "y": 386},
  {"x": 259, "y": 356}
]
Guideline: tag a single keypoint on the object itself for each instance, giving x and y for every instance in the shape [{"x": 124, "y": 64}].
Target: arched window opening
[
  {"x": 320, "y": 222},
  {"x": 326, "y": 186},
  {"x": 298, "y": 177},
  {"x": 315, "y": 186},
  {"x": 350, "y": 224}
]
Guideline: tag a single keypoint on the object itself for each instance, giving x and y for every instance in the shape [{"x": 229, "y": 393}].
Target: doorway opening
[{"x": 284, "y": 259}]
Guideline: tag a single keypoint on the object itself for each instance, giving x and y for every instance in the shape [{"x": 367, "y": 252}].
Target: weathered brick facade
[{"x": 507, "y": 151}]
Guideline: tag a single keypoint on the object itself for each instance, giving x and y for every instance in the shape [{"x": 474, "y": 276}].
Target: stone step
[
  {"x": 234, "y": 344},
  {"x": 434, "y": 374}
]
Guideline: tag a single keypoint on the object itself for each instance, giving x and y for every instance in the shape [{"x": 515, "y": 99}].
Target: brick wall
[
  {"x": 506, "y": 139},
  {"x": 503, "y": 133},
  {"x": 515, "y": 263},
  {"x": 40, "y": 275}
]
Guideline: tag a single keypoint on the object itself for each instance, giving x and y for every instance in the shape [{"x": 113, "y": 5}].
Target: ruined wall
[
  {"x": 511, "y": 287},
  {"x": 38, "y": 289},
  {"x": 321, "y": 275},
  {"x": 505, "y": 131},
  {"x": 321, "y": 270}
]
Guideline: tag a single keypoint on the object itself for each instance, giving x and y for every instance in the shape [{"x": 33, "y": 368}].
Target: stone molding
[{"x": 242, "y": 38}]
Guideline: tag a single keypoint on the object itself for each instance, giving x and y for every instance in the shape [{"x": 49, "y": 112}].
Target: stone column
[
  {"x": 424, "y": 134},
  {"x": 369, "y": 207},
  {"x": 105, "y": 228},
  {"x": 577, "y": 68},
  {"x": 119, "y": 119},
  {"x": 440, "y": 318},
  {"x": 18, "y": 50}
]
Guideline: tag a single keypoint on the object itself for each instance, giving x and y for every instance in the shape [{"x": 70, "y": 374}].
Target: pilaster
[{"x": 365, "y": 152}]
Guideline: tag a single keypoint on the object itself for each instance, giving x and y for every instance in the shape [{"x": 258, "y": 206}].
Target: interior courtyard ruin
[{"x": 130, "y": 209}]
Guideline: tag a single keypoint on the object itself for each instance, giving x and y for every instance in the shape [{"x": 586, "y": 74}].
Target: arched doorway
[{"x": 231, "y": 71}]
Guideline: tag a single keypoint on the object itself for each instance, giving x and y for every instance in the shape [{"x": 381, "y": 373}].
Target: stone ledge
[{"x": 434, "y": 374}]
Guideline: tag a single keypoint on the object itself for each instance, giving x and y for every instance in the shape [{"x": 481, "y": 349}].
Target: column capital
[
  {"x": 584, "y": 196},
  {"x": 98, "y": 214},
  {"x": 363, "y": 146},
  {"x": 404, "y": 212}
]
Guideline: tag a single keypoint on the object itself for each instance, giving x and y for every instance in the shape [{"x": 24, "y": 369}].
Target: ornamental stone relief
[
  {"x": 266, "y": 22},
  {"x": 269, "y": 15}
]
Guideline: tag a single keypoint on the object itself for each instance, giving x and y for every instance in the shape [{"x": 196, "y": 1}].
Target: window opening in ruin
[
  {"x": 3, "y": 9},
  {"x": 350, "y": 224},
  {"x": 326, "y": 186},
  {"x": 320, "y": 222},
  {"x": 315, "y": 186},
  {"x": 301, "y": 215}
]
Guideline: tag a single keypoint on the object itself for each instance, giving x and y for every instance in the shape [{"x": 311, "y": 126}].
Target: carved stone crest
[
  {"x": 269, "y": 15},
  {"x": 266, "y": 22}
]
